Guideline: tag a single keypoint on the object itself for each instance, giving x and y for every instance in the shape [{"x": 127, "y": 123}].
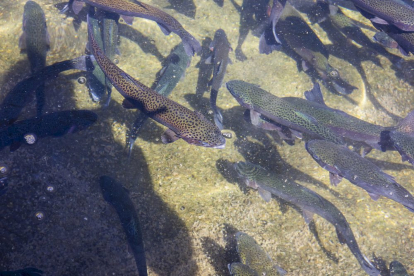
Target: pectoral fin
[
  {"x": 255, "y": 117},
  {"x": 308, "y": 216},
  {"x": 77, "y": 6},
  {"x": 266, "y": 195},
  {"x": 22, "y": 42},
  {"x": 334, "y": 178},
  {"x": 375, "y": 197},
  {"x": 379, "y": 21},
  {"x": 164, "y": 29},
  {"x": 341, "y": 238},
  {"x": 169, "y": 136},
  {"x": 128, "y": 19}
]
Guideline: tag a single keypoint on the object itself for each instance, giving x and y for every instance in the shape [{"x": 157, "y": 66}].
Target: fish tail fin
[
  {"x": 385, "y": 140},
  {"x": 83, "y": 63},
  {"x": 191, "y": 45}
]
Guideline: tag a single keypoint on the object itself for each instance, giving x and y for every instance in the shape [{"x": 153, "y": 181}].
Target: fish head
[
  {"x": 206, "y": 135},
  {"x": 316, "y": 149},
  {"x": 242, "y": 91},
  {"x": 248, "y": 172},
  {"x": 339, "y": 84}
]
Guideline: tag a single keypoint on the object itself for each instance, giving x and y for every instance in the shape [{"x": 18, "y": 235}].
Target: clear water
[{"x": 188, "y": 198}]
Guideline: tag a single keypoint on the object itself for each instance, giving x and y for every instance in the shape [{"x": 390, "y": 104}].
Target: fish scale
[{"x": 186, "y": 124}]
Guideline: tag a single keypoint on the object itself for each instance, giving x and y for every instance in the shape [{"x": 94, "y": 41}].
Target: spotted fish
[
  {"x": 343, "y": 163},
  {"x": 251, "y": 254},
  {"x": 239, "y": 269},
  {"x": 261, "y": 102},
  {"x": 395, "y": 12},
  {"x": 183, "y": 123},
  {"x": 128, "y": 10},
  {"x": 397, "y": 269},
  {"x": 402, "y": 142},
  {"x": 269, "y": 183}
]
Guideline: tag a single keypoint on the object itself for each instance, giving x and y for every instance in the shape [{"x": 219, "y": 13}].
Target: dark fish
[
  {"x": 394, "y": 12},
  {"x": 269, "y": 41},
  {"x": 268, "y": 184},
  {"x": 220, "y": 59},
  {"x": 305, "y": 43},
  {"x": 35, "y": 41},
  {"x": 105, "y": 27},
  {"x": 397, "y": 269},
  {"x": 127, "y": 10},
  {"x": 385, "y": 40},
  {"x": 405, "y": 41},
  {"x": 118, "y": 196},
  {"x": 28, "y": 271},
  {"x": 22, "y": 93},
  {"x": 252, "y": 254},
  {"x": 341, "y": 123},
  {"x": 343, "y": 163},
  {"x": 183, "y": 123},
  {"x": 402, "y": 142},
  {"x": 261, "y": 102},
  {"x": 54, "y": 124},
  {"x": 171, "y": 73},
  {"x": 239, "y": 269}
]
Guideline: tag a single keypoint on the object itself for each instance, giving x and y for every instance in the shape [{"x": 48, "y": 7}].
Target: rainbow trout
[
  {"x": 394, "y": 12},
  {"x": 53, "y": 124},
  {"x": 128, "y": 10},
  {"x": 22, "y": 93},
  {"x": 402, "y": 142},
  {"x": 36, "y": 42},
  {"x": 341, "y": 123},
  {"x": 268, "y": 184},
  {"x": 118, "y": 196},
  {"x": 220, "y": 59},
  {"x": 307, "y": 45},
  {"x": 239, "y": 269},
  {"x": 343, "y": 163},
  {"x": 181, "y": 122},
  {"x": 397, "y": 269},
  {"x": 171, "y": 73},
  {"x": 252, "y": 255},
  {"x": 261, "y": 102}
]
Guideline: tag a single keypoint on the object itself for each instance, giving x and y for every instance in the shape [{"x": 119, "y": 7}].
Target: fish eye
[{"x": 334, "y": 74}]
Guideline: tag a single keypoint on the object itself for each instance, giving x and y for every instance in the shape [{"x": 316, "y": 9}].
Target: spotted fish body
[
  {"x": 341, "y": 123},
  {"x": 278, "y": 110},
  {"x": 269, "y": 183},
  {"x": 166, "y": 22},
  {"x": 53, "y": 124},
  {"x": 183, "y": 123},
  {"x": 255, "y": 257},
  {"x": 306, "y": 44},
  {"x": 403, "y": 143},
  {"x": 341, "y": 162},
  {"x": 395, "y": 12},
  {"x": 239, "y": 269}
]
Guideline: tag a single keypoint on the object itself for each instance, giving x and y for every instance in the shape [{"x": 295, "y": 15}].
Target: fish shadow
[{"x": 185, "y": 7}]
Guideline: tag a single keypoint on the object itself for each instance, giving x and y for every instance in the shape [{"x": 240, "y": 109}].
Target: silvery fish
[
  {"x": 268, "y": 183},
  {"x": 343, "y": 163}
]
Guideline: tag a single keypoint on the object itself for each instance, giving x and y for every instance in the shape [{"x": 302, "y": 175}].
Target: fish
[
  {"x": 269, "y": 183},
  {"x": 22, "y": 93},
  {"x": 397, "y": 269},
  {"x": 401, "y": 141},
  {"x": 35, "y": 41},
  {"x": 340, "y": 162},
  {"x": 53, "y": 124},
  {"x": 252, "y": 255},
  {"x": 269, "y": 41},
  {"x": 182, "y": 123},
  {"x": 105, "y": 26},
  {"x": 313, "y": 53},
  {"x": 173, "y": 70},
  {"x": 239, "y": 269},
  {"x": 385, "y": 40},
  {"x": 394, "y": 12},
  {"x": 128, "y": 10},
  {"x": 118, "y": 196},
  {"x": 220, "y": 59},
  {"x": 261, "y": 102},
  {"x": 338, "y": 121}
]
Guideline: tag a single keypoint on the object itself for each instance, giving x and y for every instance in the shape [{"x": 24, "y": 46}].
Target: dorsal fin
[{"x": 315, "y": 94}]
